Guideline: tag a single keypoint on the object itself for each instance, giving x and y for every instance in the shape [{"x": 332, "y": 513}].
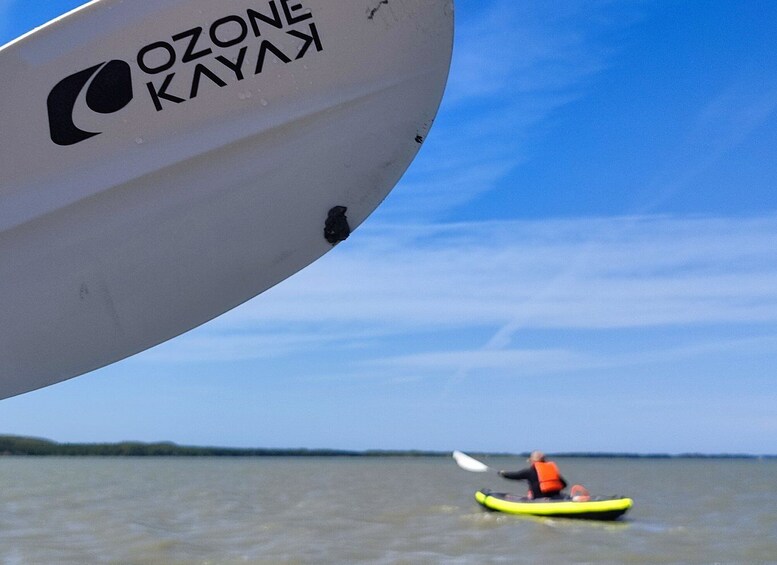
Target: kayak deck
[{"x": 594, "y": 509}]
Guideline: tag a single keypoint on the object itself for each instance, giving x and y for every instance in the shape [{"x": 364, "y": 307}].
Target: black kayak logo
[
  {"x": 179, "y": 67},
  {"x": 108, "y": 89}
]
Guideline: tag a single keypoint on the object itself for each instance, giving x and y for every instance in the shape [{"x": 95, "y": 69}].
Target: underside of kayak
[{"x": 593, "y": 509}]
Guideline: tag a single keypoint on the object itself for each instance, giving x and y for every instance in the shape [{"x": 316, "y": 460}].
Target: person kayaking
[{"x": 545, "y": 480}]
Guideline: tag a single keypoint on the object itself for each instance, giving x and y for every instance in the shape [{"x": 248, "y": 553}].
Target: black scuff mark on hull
[
  {"x": 336, "y": 227},
  {"x": 371, "y": 12},
  {"x": 419, "y": 139}
]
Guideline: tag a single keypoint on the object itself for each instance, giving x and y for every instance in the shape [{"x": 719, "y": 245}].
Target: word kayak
[
  {"x": 163, "y": 162},
  {"x": 593, "y": 509}
]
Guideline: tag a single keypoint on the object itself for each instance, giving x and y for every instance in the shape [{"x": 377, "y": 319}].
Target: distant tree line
[
  {"x": 17, "y": 445},
  {"x": 28, "y": 446}
]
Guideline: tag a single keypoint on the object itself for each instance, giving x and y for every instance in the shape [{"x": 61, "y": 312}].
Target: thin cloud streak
[
  {"x": 527, "y": 362},
  {"x": 533, "y": 362},
  {"x": 721, "y": 125}
]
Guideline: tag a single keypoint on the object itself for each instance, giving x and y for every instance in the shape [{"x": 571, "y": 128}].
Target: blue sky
[{"x": 583, "y": 257}]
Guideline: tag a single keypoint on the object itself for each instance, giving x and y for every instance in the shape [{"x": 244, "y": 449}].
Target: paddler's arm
[{"x": 522, "y": 475}]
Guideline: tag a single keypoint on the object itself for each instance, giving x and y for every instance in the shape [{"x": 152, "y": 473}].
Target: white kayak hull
[{"x": 163, "y": 162}]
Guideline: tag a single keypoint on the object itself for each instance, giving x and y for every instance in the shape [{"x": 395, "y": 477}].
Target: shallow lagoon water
[{"x": 372, "y": 510}]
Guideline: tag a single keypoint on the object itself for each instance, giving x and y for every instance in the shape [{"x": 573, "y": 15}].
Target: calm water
[{"x": 286, "y": 511}]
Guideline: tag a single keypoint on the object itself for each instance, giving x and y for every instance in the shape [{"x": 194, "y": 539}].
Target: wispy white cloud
[
  {"x": 588, "y": 273},
  {"x": 503, "y": 278},
  {"x": 533, "y": 48},
  {"x": 512, "y": 68}
]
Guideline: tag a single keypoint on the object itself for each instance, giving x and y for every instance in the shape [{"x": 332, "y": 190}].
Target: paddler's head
[{"x": 536, "y": 457}]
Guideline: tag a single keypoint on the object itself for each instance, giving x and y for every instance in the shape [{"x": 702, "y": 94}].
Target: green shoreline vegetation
[{"x": 29, "y": 446}]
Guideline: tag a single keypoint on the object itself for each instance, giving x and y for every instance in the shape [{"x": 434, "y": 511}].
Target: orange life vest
[{"x": 549, "y": 477}]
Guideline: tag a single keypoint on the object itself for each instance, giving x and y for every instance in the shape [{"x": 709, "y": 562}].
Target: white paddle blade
[
  {"x": 469, "y": 463},
  {"x": 163, "y": 162}
]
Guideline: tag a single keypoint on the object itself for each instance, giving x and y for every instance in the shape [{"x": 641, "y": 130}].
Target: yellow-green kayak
[{"x": 593, "y": 509}]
